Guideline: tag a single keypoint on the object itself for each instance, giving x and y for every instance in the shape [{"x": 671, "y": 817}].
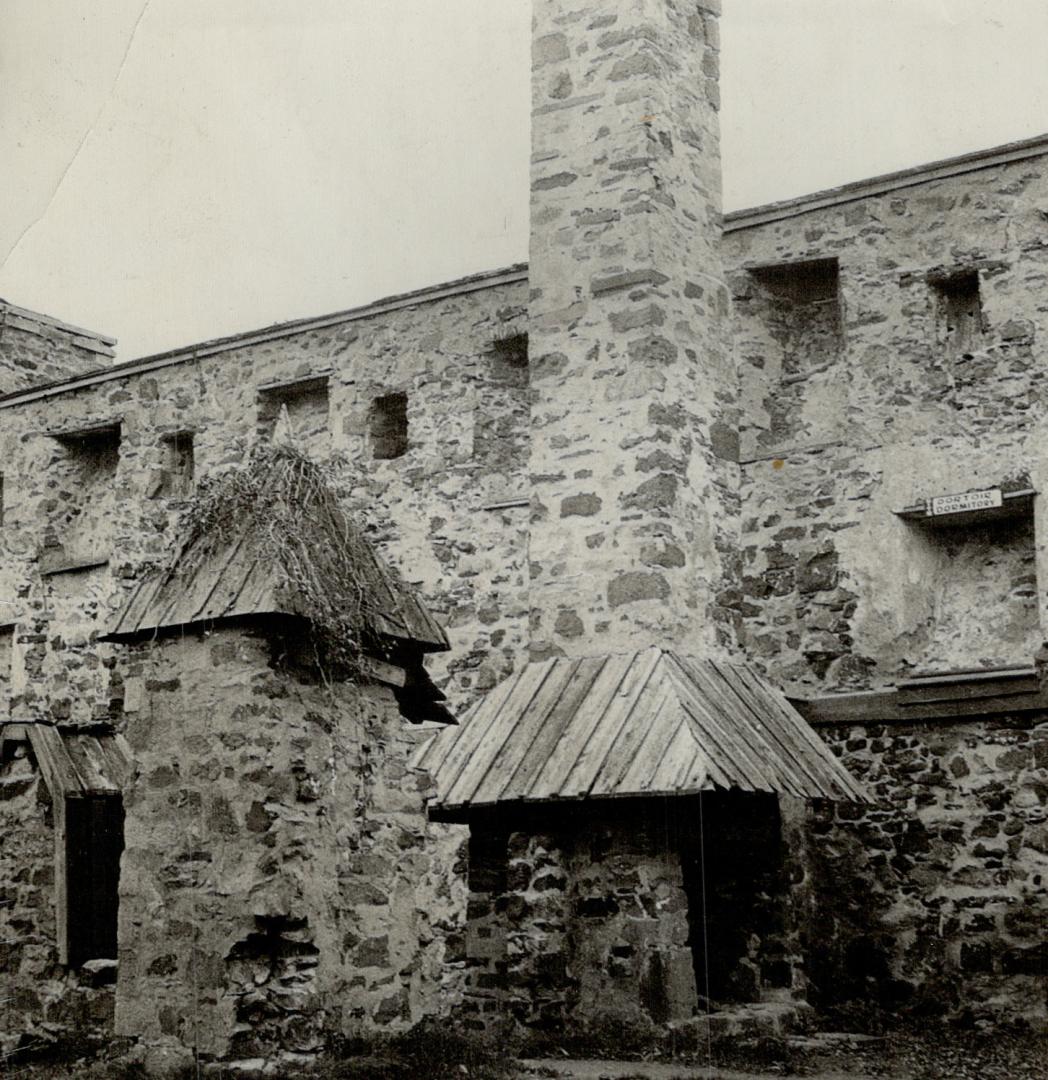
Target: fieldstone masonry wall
[
  {"x": 634, "y": 504},
  {"x": 40, "y": 998},
  {"x": 933, "y": 900},
  {"x": 36, "y": 349},
  {"x": 386, "y": 961},
  {"x": 277, "y": 882},
  {"x": 577, "y": 926},
  {"x": 579, "y": 492},
  {"x": 837, "y": 591},
  {"x": 426, "y": 510}
]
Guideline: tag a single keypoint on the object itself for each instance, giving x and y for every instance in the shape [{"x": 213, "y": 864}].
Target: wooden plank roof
[
  {"x": 73, "y": 763},
  {"x": 653, "y": 722},
  {"x": 238, "y": 578}
]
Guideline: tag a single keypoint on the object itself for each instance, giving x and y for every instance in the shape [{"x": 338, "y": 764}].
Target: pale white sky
[{"x": 181, "y": 169}]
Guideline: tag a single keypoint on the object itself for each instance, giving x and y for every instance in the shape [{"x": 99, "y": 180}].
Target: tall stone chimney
[{"x": 634, "y": 433}]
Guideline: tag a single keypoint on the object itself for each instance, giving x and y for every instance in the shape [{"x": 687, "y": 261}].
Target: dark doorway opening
[
  {"x": 735, "y": 881},
  {"x": 94, "y": 842}
]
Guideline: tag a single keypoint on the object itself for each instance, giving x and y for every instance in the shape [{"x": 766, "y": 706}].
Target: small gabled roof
[{"x": 644, "y": 723}]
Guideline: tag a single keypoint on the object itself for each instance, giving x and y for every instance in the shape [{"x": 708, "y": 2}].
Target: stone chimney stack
[{"x": 634, "y": 488}]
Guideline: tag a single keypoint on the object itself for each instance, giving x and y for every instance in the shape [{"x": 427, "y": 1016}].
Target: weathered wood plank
[
  {"x": 640, "y": 669},
  {"x": 735, "y": 761},
  {"x": 479, "y": 740},
  {"x": 559, "y": 721},
  {"x": 518, "y": 739},
  {"x": 801, "y": 759},
  {"x": 55, "y": 767},
  {"x": 883, "y": 706},
  {"x": 565, "y": 754}
]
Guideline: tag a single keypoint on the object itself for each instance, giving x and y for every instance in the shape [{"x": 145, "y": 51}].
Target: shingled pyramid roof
[
  {"x": 236, "y": 569},
  {"x": 644, "y": 723}
]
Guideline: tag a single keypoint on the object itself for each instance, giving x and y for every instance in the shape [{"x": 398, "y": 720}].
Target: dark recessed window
[
  {"x": 178, "y": 465},
  {"x": 510, "y": 359},
  {"x": 388, "y": 426},
  {"x": 958, "y": 310},
  {"x": 92, "y": 452},
  {"x": 83, "y": 471},
  {"x": 799, "y": 303}
]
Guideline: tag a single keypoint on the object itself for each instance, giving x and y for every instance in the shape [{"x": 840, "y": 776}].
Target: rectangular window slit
[
  {"x": 958, "y": 309},
  {"x": 178, "y": 464},
  {"x": 388, "y": 426},
  {"x": 799, "y": 304}
]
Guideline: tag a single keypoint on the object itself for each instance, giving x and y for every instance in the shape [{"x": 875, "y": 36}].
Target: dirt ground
[{"x": 937, "y": 1054}]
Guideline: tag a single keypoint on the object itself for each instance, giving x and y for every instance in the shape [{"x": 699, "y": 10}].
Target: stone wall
[
  {"x": 41, "y": 1000},
  {"x": 633, "y": 452},
  {"x": 280, "y": 883},
  {"x": 888, "y": 409},
  {"x": 575, "y": 926},
  {"x": 428, "y": 510},
  {"x": 607, "y": 921},
  {"x": 933, "y": 901},
  {"x": 92, "y": 501},
  {"x": 36, "y": 349}
]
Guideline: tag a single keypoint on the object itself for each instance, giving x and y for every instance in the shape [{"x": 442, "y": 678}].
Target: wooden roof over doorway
[{"x": 644, "y": 723}]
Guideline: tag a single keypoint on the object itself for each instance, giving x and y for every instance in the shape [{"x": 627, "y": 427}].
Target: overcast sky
[{"x": 181, "y": 169}]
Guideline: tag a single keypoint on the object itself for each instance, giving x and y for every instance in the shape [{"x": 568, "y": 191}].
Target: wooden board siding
[{"x": 644, "y": 723}]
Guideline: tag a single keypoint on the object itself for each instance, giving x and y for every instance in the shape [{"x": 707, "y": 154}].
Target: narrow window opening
[
  {"x": 509, "y": 359},
  {"x": 500, "y": 423},
  {"x": 959, "y": 317},
  {"x": 94, "y": 842},
  {"x": 178, "y": 465},
  {"x": 388, "y": 426},
  {"x": 801, "y": 310},
  {"x": 1, "y": 499}
]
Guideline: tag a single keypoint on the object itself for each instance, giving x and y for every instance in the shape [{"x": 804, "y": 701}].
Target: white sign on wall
[{"x": 966, "y": 500}]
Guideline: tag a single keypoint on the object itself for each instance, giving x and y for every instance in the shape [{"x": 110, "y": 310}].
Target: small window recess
[
  {"x": 2, "y": 493},
  {"x": 95, "y": 448},
  {"x": 388, "y": 426},
  {"x": 178, "y": 468},
  {"x": 958, "y": 311},
  {"x": 301, "y": 406},
  {"x": 509, "y": 356},
  {"x": 85, "y": 470},
  {"x": 802, "y": 310}
]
